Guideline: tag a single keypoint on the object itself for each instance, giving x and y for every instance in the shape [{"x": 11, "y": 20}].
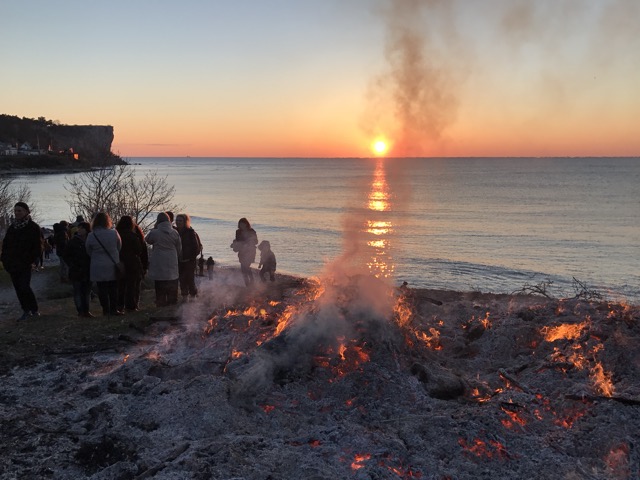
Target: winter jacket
[
  {"x": 76, "y": 256},
  {"x": 131, "y": 253},
  {"x": 246, "y": 241},
  {"x": 21, "y": 247},
  {"x": 191, "y": 245},
  {"x": 268, "y": 260},
  {"x": 165, "y": 253},
  {"x": 103, "y": 263},
  {"x": 60, "y": 238}
]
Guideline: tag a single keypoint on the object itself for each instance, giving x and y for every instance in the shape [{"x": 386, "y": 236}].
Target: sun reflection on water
[{"x": 379, "y": 226}]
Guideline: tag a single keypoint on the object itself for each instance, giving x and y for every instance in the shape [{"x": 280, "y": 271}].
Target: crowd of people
[{"x": 98, "y": 259}]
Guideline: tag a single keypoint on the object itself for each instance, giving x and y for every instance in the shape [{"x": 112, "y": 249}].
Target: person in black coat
[
  {"x": 191, "y": 248},
  {"x": 61, "y": 238},
  {"x": 134, "y": 256},
  {"x": 76, "y": 257},
  {"x": 21, "y": 247}
]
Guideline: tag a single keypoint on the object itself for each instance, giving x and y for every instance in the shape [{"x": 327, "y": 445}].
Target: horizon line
[{"x": 383, "y": 157}]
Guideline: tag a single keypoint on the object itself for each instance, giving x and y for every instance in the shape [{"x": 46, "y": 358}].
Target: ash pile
[{"x": 341, "y": 380}]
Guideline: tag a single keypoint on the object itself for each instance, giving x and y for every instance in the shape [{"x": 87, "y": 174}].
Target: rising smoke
[{"x": 415, "y": 99}]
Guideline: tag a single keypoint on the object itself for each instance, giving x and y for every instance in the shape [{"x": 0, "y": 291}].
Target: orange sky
[{"x": 323, "y": 78}]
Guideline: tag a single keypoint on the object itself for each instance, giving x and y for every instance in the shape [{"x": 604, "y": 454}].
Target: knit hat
[
  {"x": 162, "y": 217},
  {"x": 23, "y": 205}
]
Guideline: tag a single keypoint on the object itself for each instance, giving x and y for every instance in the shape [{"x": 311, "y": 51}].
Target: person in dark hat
[
  {"x": 73, "y": 228},
  {"x": 21, "y": 246}
]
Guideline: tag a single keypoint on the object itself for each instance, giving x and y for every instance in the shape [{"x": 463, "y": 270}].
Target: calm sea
[{"x": 493, "y": 225}]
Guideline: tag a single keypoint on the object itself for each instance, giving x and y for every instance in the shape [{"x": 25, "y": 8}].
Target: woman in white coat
[
  {"x": 103, "y": 246},
  {"x": 164, "y": 259}
]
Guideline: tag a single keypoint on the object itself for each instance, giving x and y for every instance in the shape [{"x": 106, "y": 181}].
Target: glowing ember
[
  {"x": 358, "y": 461},
  {"x": 480, "y": 448},
  {"x": 617, "y": 461},
  {"x": 514, "y": 419},
  {"x": 479, "y": 397},
  {"x": 268, "y": 408},
  {"x": 155, "y": 356}
]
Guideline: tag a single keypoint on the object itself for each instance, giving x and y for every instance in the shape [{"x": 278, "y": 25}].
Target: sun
[{"x": 380, "y": 147}]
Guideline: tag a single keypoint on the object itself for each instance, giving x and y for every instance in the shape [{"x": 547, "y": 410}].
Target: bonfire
[{"x": 340, "y": 377}]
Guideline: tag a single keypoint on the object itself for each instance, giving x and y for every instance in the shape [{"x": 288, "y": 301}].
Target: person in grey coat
[
  {"x": 165, "y": 255},
  {"x": 103, "y": 246}
]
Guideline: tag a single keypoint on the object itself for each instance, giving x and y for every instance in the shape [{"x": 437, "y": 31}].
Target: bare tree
[
  {"x": 118, "y": 191},
  {"x": 9, "y": 195}
]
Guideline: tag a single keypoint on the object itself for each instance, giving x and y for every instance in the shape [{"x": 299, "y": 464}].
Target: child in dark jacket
[{"x": 267, "y": 263}]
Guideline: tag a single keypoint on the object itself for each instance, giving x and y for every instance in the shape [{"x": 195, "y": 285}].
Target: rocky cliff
[{"x": 92, "y": 143}]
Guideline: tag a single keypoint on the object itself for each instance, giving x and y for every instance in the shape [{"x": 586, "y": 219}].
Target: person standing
[
  {"x": 131, "y": 253},
  {"x": 103, "y": 246},
  {"x": 201, "y": 265},
  {"x": 245, "y": 244},
  {"x": 21, "y": 246},
  {"x": 61, "y": 237},
  {"x": 210, "y": 263},
  {"x": 191, "y": 248},
  {"x": 78, "y": 260},
  {"x": 267, "y": 263},
  {"x": 166, "y": 250}
]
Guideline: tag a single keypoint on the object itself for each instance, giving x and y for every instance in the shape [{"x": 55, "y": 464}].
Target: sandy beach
[{"x": 299, "y": 379}]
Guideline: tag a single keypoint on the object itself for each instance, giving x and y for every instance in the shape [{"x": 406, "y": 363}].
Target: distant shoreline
[{"x": 48, "y": 164}]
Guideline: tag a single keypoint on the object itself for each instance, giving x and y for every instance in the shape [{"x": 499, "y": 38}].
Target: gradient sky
[{"x": 323, "y": 78}]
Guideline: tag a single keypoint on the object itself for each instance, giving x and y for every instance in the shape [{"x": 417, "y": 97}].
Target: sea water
[{"x": 487, "y": 224}]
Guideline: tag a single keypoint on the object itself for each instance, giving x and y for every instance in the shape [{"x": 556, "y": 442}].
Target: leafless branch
[
  {"x": 583, "y": 291},
  {"x": 537, "y": 289},
  {"x": 118, "y": 191}
]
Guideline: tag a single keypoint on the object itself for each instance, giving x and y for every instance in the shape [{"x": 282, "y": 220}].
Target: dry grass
[{"x": 59, "y": 329}]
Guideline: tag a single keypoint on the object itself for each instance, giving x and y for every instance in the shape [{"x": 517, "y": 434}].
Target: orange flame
[
  {"x": 566, "y": 331},
  {"x": 284, "y": 319},
  {"x": 432, "y": 341},
  {"x": 402, "y": 312},
  {"x": 602, "y": 380}
]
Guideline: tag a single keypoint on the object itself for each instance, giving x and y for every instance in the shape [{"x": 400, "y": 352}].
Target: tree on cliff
[{"x": 118, "y": 191}]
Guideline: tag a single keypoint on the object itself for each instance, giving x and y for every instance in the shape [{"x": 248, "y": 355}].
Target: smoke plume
[{"x": 415, "y": 100}]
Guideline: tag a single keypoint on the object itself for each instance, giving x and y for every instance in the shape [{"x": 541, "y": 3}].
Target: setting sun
[{"x": 379, "y": 147}]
